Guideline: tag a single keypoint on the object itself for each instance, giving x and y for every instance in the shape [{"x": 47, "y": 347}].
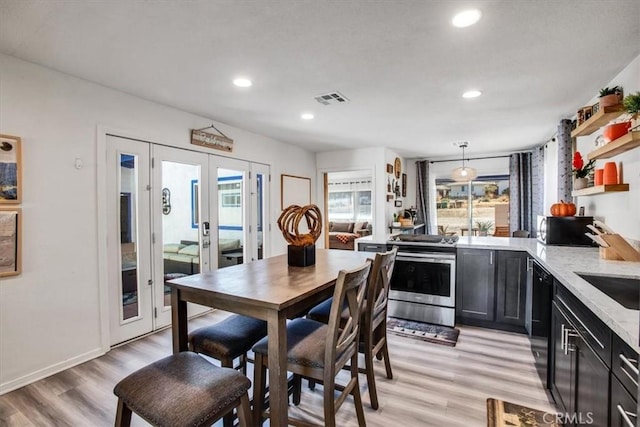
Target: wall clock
[{"x": 397, "y": 167}]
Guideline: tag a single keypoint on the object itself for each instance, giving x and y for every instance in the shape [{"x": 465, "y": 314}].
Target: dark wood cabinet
[
  {"x": 580, "y": 365},
  {"x": 491, "y": 288},
  {"x": 592, "y": 383},
  {"x": 511, "y": 285},
  {"x": 563, "y": 363},
  {"x": 475, "y": 285},
  {"x": 623, "y": 405}
]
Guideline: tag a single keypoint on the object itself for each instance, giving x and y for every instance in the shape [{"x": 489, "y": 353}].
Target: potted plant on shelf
[
  {"x": 581, "y": 170},
  {"x": 396, "y": 222},
  {"x": 631, "y": 104},
  {"x": 610, "y": 96},
  {"x": 484, "y": 227}
]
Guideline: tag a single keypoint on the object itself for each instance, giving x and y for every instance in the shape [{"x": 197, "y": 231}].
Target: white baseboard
[{"x": 50, "y": 370}]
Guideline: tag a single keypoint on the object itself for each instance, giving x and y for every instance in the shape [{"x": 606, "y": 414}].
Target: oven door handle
[{"x": 422, "y": 258}]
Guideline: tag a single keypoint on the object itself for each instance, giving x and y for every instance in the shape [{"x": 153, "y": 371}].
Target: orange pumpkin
[{"x": 563, "y": 209}]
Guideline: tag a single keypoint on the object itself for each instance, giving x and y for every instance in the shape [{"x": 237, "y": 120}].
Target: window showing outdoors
[
  {"x": 350, "y": 196},
  {"x": 489, "y": 200}
]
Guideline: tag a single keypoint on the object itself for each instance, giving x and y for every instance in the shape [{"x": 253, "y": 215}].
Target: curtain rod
[{"x": 470, "y": 158}]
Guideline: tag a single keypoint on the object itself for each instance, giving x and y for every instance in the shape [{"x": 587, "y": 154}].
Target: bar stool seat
[
  {"x": 228, "y": 339},
  {"x": 182, "y": 390}
]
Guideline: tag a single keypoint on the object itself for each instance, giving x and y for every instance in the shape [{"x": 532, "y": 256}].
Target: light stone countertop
[{"x": 563, "y": 262}]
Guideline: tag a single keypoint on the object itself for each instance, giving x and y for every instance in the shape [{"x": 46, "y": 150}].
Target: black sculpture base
[{"x": 301, "y": 256}]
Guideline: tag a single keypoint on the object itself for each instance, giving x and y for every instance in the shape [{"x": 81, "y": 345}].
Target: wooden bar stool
[
  {"x": 319, "y": 351},
  {"x": 373, "y": 330},
  {"x": 228, "y": 340},
  {"x": 182, "y": 390}
]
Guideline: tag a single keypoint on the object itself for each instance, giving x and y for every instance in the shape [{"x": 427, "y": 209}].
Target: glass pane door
[
  {"x": 129, "y": 260},
  {"x": 259, "y": 227},
  {"x": 478, "y": 208},
  {"x": 182, "y": 244}
]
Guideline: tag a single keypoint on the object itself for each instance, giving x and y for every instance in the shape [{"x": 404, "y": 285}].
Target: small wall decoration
[
  {"x": 10, "y": 241},
  {"x": 10, "y": 169},
  {"x": 397, "y": 167},
  {"x": 404, "y": 185},
  {"x": 211, "y": 140},
  {"x": 389, "y": 168},
  {"x": 397, "y": 203},
  {"x": 294, "y": 190}
]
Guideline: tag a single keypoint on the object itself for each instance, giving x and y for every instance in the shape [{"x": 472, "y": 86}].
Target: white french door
[
  {"x": 129, "y": 239},
  {"x": 180, "y": 223},
  {"x": 172, "y": 213}
]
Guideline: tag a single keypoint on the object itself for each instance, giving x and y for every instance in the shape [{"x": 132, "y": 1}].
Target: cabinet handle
[
  {"x": 569, "y": 333},
  {"x": 491, "y": 258},
  {"x": 625, "y": 415},
  {"x": 631, "y": 364},
  {"x": 562, "y": 338},
  {"x": 529, "y": 263}
]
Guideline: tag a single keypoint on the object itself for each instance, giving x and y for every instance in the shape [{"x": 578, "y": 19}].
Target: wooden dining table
[{"x": 267, "y": 289}]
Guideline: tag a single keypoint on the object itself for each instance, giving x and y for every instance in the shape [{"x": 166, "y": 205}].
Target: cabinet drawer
[
  {"x": 623, "y": 408},
  {"x": 372, "y": 247},
  {"x": 624, "y": 364},
  {"x": 592, "y": 329}
]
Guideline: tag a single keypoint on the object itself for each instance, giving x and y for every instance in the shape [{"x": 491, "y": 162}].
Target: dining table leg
[
  {"x": 179, "y": 325},
  {"x": 278, "y": 398}
]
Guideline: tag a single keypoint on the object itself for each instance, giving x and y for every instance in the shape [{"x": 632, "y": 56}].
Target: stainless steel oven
[{"x": 423, "y": 283}]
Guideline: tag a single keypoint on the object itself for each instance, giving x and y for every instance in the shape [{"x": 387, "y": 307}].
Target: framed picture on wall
[
  {"x": 294, "y": 190},
  {"x": 10, "y": 241},
  {"x": 10, "y": 169}
]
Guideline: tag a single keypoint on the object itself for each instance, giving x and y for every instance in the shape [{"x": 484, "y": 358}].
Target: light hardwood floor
[{"x": 433, "y": 385}]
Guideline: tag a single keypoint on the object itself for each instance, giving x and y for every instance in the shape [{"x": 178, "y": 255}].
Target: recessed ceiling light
[
  {"x": 242, "y": 82},
  {"x": 307, "y": 116},
  {"x": 466, "y": 18},
  {"x": 471, "y": 94}
]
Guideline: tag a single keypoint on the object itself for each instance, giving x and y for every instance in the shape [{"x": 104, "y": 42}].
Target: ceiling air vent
[{"x": 331, "y": 98}]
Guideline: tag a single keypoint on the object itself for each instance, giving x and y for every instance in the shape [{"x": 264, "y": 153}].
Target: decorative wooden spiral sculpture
[{"x": 289, "y": 221}]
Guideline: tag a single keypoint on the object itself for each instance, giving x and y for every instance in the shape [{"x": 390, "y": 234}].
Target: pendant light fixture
[{"x": 464, "y": 173}]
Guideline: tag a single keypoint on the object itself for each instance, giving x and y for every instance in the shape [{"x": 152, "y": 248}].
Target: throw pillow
[
  {"x": 172, "y": 248},
  {"x": 342, "y": 227}
]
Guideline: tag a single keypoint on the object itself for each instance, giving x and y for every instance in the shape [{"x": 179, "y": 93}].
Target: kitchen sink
[{"x": 624, "y": 290}]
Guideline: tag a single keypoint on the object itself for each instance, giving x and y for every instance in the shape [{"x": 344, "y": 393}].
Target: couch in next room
[{"x": 343, "y": 234}]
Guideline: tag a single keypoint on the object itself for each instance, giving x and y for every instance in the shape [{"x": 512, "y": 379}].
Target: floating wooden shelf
[
  {"x": 598, "y": 120},
  {"x": 624, "y": 143},
  {"x": 600, "y": 189}
]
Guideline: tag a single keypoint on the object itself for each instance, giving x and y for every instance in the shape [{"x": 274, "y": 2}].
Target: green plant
[
  {"x": 631, "y": 103},
  {"x": 616, "y": 90},
  {"x": 484, "y": 225}
]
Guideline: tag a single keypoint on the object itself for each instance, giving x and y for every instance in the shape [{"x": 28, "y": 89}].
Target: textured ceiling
[{"x": 401, "y": 63}]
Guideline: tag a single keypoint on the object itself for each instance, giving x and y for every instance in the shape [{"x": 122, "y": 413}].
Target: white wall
[
  {"x": 621, "y": 211},
  {"x": 50, "y": 314}
]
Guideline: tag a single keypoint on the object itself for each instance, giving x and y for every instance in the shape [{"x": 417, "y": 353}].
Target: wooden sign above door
[{"x": 211, "y": 140}]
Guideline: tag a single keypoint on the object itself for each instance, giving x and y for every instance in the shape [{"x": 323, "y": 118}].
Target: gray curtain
[
  {"x": 520, "y": 193},
  {"x": 422, "y": 195},
  {"x": 565, "y": 152},
  {"x": 537, "y": 186}
]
